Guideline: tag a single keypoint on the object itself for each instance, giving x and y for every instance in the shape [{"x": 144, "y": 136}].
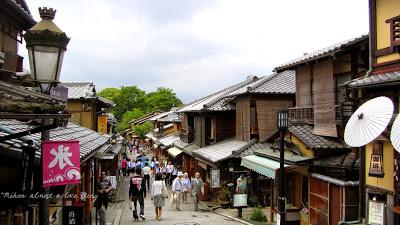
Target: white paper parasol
[
  {"x": 368, "y": 121},
  {"x": 395, "y": 134}
]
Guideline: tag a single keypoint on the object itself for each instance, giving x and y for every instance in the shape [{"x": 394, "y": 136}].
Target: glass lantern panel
[{"x": 46, "y": 60}]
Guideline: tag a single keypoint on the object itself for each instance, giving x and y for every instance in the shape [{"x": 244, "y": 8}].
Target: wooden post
[{"x": 271, "y": 202}]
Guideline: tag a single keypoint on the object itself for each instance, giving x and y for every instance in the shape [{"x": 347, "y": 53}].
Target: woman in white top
[{"x": 157, "y": 194}]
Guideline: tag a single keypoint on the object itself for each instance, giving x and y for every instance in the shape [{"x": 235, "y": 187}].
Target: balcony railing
[
  {"x": 301, "y": 115},
  {"x": 305, "y": 115},
  {"x": 394, "y": 24}
]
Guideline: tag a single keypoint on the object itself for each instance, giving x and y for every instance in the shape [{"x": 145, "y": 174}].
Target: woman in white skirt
[{"x": 158, "y": 191}]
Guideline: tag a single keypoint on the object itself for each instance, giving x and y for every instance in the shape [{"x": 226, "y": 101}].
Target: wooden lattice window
[{"x": 394, "y": 24}]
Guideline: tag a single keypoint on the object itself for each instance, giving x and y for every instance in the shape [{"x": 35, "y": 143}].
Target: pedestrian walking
[
  {"x": 124, "y": 165},
  {"x": 197, "y": 189},
  {"x": 177, "y": 189},
  {"x": 131, "y": 167},
  {"x": 159, "y": 192},
  {"x": 103, "y": 188},
  {"x": 169, "y": 168},
  {"x": 186, "y": 185},
  {"x": 146, "y": 175},
  {"x": 137, "y": 189}
]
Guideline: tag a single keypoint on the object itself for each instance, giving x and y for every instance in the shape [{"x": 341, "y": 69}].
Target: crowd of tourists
[{"x": 147, "y": 175}]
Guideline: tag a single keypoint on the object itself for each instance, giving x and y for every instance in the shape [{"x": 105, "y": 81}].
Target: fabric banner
[{"x": 61, "y": 163}]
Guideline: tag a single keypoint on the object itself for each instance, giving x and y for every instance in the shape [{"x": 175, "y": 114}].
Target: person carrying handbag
[
  {"x": 187, "y": 185},
  {"x": 159, "y": 192}
]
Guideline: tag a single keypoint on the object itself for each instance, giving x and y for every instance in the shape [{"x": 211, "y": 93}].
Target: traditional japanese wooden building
[
  {"x": 88, "y": 109},
  {"x": 382, "y": 196},
  {"x": 317, "y": 124}
]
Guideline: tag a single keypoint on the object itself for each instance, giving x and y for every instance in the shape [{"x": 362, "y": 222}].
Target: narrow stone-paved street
[{"x": 119, "y": 212}]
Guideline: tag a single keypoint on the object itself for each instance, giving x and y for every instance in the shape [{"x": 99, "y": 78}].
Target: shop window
[{"x": 376, "y": 163}]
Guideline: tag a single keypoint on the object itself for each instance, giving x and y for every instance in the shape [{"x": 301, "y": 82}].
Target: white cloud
[{"x": 192, "y": 46}]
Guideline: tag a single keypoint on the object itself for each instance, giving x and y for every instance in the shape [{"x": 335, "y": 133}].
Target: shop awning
[
  {"x": 174, "y": 152},
  {"x": 261, "y": 165}
]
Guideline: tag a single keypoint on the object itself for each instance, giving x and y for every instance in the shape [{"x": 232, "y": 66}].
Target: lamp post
[
  {"x": 46, "y": 44},
  {"x": 283, "y": 124}
]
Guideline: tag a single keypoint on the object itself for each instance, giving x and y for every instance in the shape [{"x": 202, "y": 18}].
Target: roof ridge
[
  {"x": 234, "y": 88},
  {"x": 322, "y": 51}
]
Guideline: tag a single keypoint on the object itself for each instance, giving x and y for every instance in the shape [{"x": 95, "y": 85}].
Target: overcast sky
[{"x": 194, "y": 47}]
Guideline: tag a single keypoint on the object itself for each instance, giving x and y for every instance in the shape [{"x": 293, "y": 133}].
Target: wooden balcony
[
  {"x": 186, "y": 136},
  {"x": 301, "y": 115},
  {"x": 305, "y": 115},
  {"x": 394, "y": 24}
]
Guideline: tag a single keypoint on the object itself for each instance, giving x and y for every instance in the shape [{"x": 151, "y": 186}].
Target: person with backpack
[{"x": 137, "y": 188}]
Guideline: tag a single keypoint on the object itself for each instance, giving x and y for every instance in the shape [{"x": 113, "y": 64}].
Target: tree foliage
[
  {"x": 143, "y": 129},
  {"x": 131, "y": 102},
  {"x": 128, "y": 116},
  {"x": 129, "y": 98},
  {"x": 162, "y": 99},
  {"x": 109, "y": 93}
]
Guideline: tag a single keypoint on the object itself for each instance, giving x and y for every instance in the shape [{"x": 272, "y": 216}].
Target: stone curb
[{"x": 233, "y": 218}]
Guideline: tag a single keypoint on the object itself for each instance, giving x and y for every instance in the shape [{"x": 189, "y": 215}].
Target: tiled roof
[
  {"x": 21, "y": 99},
  {"x": 105, "y": 101},
  {"x": 180, "y": 144},
  {"x": 221, "y": 150},
  {"x": 328, "y": 51},
  {"x": 172, "y": 117},
  {"x": 375, "y": 80},
  {"x": 144, "y": 118},
  {"x": 22, "y": 11},
  {"x": 252, "y": 149},
  {"x": 277, "y": 83},
  {"x": 347, "y": 160},
  {"x": 216, "y": 101},
  {"x": 78, "y": 90},
  {"x": 305, "y": 134},
  {"x": 168, "y": 140},
  {"x": 89, "y": 140}
]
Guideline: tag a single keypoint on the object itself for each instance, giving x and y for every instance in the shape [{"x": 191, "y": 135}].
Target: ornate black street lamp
[
  {"x": 46, "y": 44},
  {"x": 283, "y": 124}
]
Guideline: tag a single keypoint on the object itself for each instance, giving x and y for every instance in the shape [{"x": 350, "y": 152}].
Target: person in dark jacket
[{"x": 137, "y": 188}]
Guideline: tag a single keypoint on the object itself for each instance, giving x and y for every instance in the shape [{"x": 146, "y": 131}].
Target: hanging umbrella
[
  {"x": 368, "y": 121},
  {"x": 395, "y": 134}
]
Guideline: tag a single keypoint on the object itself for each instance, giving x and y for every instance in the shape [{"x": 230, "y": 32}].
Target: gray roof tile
[
  {"x": 220, "y": 150},
  {"x": 216, "y": 101},
  {"x": 330, "y": 50},
  {"x": 377, "y": 79},
  {"x": 89, "y": 140},
  {"x": 277, "y": 83},
  {"x": 305, "y": 134},
  {"x": 78, "y": 90}
]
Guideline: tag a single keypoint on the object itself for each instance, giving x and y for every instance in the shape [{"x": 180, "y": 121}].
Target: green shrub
[{"x": 258, "y": 215}]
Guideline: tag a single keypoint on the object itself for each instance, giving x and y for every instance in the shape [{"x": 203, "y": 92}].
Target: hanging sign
[
  {"x": 102, "y": 124},
  {"x": 376, "y": 163},
  {"x": 215, "y": 178},
  {"x": 376, "y": 213},
  {"x": 61, "y": 163}
]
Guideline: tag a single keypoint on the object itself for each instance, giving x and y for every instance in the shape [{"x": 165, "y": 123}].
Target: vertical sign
[
  {"x": 102, "y": 124},
  {"x": 72, "y": 215},
  {"x": 215, "y": 178},
  {"x": 61, "y": 163},
  {"x": 60, "y": 92},
  {"x": 376, "y": 163},
  {"x": 376, "y": 213}
]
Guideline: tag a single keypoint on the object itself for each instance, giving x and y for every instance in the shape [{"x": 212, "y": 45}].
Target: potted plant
[{"x": 223, "y": 195}]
